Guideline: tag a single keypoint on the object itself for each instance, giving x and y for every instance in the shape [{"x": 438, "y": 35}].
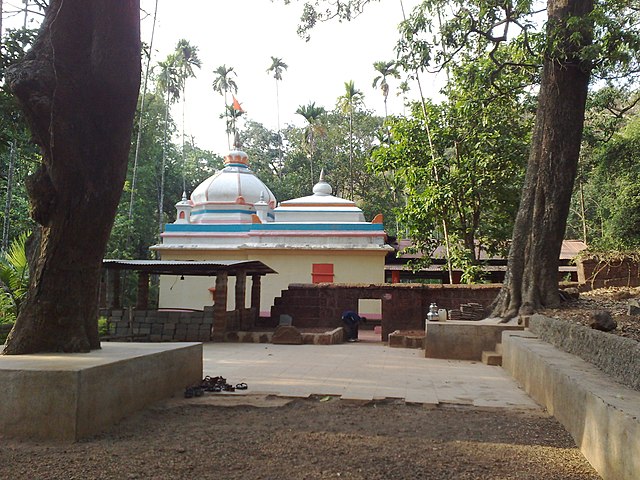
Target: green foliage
[
  {"x": 463, "y": 164},
  {"x": 16, "y": 148},
  {"x": 14, "y": 279},
  {"x": 614, "y": 193},
  {"x": 104, "y": 327}
]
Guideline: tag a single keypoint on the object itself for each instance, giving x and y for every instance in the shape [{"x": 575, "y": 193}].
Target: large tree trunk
[
  {"x": 531, "y": 281},
  {"x": 78, "y": 87}
]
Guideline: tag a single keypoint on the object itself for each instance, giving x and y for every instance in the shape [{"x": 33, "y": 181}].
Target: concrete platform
[
  {"x": 71, "y": 396},
  {"x": 602, "y": 415},
  {"x": 464, "y": 340},
  {"x": 362, "y": 371}
]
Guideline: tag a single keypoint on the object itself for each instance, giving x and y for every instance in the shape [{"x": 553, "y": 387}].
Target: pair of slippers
[{"x": 220, "y": 385}]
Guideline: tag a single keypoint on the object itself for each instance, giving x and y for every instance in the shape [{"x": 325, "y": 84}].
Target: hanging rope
[{"x": 142, "y": 102}]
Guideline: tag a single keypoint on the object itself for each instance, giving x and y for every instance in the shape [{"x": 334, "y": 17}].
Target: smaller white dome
[{"x": 322, "y": 188}]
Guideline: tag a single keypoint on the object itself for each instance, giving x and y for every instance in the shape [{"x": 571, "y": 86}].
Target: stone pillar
[
  {"x": 142, "y": 300},
  {"x": 220, "y": 308},
  {"x": 115, "y": 289},
  {"x": 241, "y": 290},
  {"x": 255, "y": 292},
  {"x": 243, "y": 319}
]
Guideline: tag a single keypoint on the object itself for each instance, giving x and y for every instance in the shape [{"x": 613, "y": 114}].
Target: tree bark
[
  {"x": 531, "y": 280},
  {"x": 78, "y": 87}
]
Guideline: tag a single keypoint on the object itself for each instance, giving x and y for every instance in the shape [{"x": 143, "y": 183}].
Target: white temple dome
[
  {"x": 235, "y": 183},
  {"x": 231, "y": 193}
]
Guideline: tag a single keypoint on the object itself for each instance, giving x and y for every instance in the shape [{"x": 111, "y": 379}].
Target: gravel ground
[
  {"x": 316, "y": 438},
  {"x": 250, "y": 437}
]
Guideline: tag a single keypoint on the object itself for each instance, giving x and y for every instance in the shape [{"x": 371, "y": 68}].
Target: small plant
[
  {"x": 104, "y": 327},
  {"x": 14, "y": 279}
]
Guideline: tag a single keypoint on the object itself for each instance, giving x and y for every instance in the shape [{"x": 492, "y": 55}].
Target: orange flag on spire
[{"x": 236, "y": 104}]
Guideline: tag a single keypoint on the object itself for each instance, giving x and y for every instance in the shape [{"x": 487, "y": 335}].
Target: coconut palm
[
  {"x": 315, "y": 128},
  {"x": 186, "y": 56},
  {"x": 277, "y": 67},
  {"x": 14, "y": 278},
  {"x": 224, "y": 83},
  {"x": 170, "y": 84},
  {"x": 231, "y": 115},
  {"x": 385, "y": 69},
  {"x": 348, "y": 104},
  {"x": 403, "y": 89}
]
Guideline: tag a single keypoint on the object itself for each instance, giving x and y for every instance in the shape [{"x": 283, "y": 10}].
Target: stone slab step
[{"x": 492, "y": 358}]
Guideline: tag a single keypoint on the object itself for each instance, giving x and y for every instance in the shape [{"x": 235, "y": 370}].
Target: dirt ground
[
  {"x": 613, "y": 299},
  {"x": 250, "y": 437},
  {"x": 317, "y": 438}
]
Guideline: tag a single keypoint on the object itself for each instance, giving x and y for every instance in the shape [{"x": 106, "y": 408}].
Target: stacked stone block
[{"x": 163, "y": 326}]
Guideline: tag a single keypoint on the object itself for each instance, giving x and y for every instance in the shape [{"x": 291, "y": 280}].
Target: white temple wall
[{"x": 293, "y": 266}]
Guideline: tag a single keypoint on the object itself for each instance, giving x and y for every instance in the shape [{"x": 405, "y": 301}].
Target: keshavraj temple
[{"x": 233, "y": 215}]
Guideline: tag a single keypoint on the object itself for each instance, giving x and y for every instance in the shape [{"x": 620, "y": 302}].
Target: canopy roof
[{"x": 193, "y": 268}]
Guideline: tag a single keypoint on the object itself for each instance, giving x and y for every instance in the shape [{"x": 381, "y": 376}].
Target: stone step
[{"x": 492, "y": 358}]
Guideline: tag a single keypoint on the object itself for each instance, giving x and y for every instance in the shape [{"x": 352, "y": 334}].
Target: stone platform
[
  {"x": 63, "y": 396},
  {"x": 602, "y": 415},
  {"x": 464, "y": 340}
]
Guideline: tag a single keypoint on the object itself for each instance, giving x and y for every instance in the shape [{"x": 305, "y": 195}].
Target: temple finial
[{"x": 237, "y": 144}]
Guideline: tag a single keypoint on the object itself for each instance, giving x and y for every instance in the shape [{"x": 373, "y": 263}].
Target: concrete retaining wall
[
  {"x": 618, "y": 357},
  {"x": 463, "y": 340},
  {"x": 69, "y": 396},
  {"x": 602, "y": 416}
]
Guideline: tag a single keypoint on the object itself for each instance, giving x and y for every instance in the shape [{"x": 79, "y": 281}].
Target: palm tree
[
  {"x": 170, "y": 84},
  {"x": 186, "y": 56},
  {"x": 348, "y": 103},
  {"x": 231, "y": 115},
  {"x": 403, "y": 89},
  {"x": 223, "y": 84},
  {"x": 385, "y": 69},
  {"x": 312, "y": 115},
  {"x": 277, "y": 67}
]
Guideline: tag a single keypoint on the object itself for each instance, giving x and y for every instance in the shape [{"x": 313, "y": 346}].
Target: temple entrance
[{"x": 371, "y": 330}]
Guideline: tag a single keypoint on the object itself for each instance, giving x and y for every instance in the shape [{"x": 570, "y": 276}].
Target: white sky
[{"x": 245, "y": 34}]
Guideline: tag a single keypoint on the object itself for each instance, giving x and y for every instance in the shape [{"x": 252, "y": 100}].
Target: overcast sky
[{"x": 245, "y": 34}]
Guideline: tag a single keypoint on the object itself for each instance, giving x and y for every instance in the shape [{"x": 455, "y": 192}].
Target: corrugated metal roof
[
  {"x": 197, "y": 268},
  {"x": 569, "y": 249}
]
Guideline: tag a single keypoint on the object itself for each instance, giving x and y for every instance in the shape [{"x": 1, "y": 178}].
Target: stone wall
[
  {"x": 616, "y": 356},
  {"x": 161, "y": 326},
  {"x": 404, "y": 306}
]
